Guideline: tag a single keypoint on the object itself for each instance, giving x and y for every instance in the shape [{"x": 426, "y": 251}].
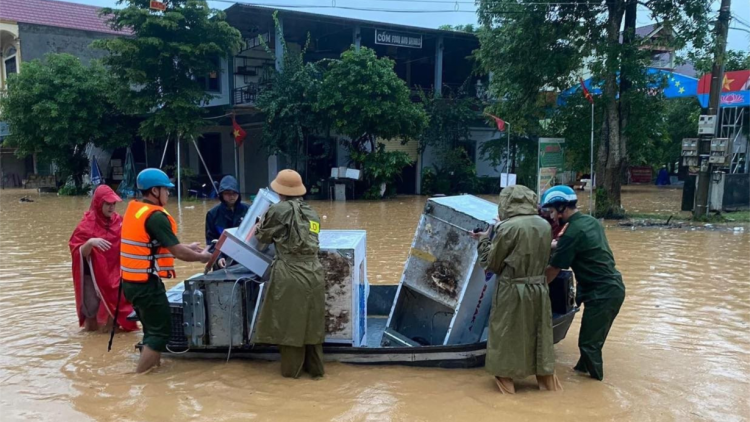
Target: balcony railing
[{"x": 247, "y": 95}]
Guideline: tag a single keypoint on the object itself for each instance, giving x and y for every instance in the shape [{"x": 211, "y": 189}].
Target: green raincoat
[
  {"x": 293, "y": 312},
  {"x": 520, "y": 340}
]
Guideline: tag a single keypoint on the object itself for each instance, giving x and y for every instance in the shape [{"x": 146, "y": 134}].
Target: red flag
[
  {"x": 586, "y": 93},
  {"x": 500, "y": 123},
  {"x": 238, "y": 132}
]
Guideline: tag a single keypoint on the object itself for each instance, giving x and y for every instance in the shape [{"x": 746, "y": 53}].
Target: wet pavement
[{"x": 679, "y": 350}]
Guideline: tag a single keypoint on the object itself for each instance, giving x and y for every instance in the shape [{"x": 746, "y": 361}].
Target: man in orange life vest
[{"x": 149, "y": 247}]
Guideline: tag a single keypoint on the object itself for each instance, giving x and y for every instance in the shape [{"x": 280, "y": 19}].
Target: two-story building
[
  {"x": 29, "y": 29},
  {"x": 424, "y": 59}
]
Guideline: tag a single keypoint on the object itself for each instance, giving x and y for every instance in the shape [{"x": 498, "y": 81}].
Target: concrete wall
[
  {"x": 222, "y": 97},
  {"x": 485, "y": 167},
  {"x": 12, "y": 168},
  {"x": 253, "y": 163},
  {"x": 38, "y": 40}
]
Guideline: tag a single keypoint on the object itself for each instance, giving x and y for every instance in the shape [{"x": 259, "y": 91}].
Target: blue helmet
[
  {"x": 558, "y": 195},
  {"x": 153, "y": 178}
]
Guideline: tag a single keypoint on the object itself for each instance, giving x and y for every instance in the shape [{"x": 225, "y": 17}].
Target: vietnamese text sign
[
  {"x": 157, "y": 5},
  {"x": 640, "y": 174},
  {"x": 551, "y": 153},
  {"x": 399, "y": 39}
]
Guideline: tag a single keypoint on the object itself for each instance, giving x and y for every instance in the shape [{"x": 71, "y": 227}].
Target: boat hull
[{"x": 452, "y": 356}]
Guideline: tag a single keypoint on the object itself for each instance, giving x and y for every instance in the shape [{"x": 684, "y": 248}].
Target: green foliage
[
  {"x": 159, "y": 65},
  {"x": 70, "y": 189},
  {"x": 365, "y": 100},
  {"x": 450, "y": 117},
  {"x": 430, "y": 182},
  {"x": 734, "y": 60},
  {"x": 524, "y": 156},
  {"x": 470, "y": 28},
  {"x": 289, "y": 106},
  {"x": 56, "y": 107},
  {"x": 379, "y": 167},
  {"x": 680, "y": 120},
  {"x": 551, "y": 42},
  {"x": 456, "y": 173}
]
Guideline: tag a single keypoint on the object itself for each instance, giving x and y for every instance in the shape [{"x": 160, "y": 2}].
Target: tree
[
  {"x": 58, "y": 106},
  {"x": 160, "y": 65},
  {"x": 365, "y": 100},
  {"x": 470, "y": 28},
  {"x": 735, "y": 60},
  {"x": 551, "y": 42},
  {"x": 289, "y": 106},
  {"x": 450, "y": 117},
  {"x": 680, "y": 120}
]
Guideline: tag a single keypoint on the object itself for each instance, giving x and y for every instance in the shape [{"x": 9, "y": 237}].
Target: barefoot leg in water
[
  {"x": 149, "y": 359},
  {"x": 90, "y": 324},
  {"x": 505, "y": 385},
  {"x": 549, "y": 382}
]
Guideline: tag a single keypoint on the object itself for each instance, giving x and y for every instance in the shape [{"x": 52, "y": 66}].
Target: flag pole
[
  {"x": 507, "y": 163},
  {"x": 236, "y": 165},
  {"x": 179, "y": 175},
  {"x": 591, "y": 194}
]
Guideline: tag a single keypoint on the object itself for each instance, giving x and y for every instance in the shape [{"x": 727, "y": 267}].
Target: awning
[
  {"x": 735, "y": 88},
  {"x": 678, "y": 86}
]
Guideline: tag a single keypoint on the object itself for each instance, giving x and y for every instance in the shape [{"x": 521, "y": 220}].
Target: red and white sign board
[{"x": 157, "y": 5}]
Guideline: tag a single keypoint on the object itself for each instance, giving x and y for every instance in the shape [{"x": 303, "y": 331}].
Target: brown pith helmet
[{"x": 288, "y": 183}]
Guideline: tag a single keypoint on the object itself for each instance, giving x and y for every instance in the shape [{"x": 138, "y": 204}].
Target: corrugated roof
[
  {"x": 645, "y": 31},
  {"x": 56, "y": 13},
  {"x": 268, "y": 11}
]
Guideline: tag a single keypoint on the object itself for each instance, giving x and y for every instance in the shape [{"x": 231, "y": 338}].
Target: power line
[
  {"x": 333, "y": 5},
  {"x": 362, "y": 9},
  {"x": 740, "y": 21},
  {"x": 740, "y": 29}
]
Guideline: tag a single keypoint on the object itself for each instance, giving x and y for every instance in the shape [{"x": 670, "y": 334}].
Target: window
[
  {"x": 10, "y": 63},
  {"x": 212, "y": 81}
]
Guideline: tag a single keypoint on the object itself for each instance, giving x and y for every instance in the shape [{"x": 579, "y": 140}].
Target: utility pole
[{"x": 717, "y": 78}]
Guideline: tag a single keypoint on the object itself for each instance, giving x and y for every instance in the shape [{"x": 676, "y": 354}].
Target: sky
[{"x": 448, "y": 12}]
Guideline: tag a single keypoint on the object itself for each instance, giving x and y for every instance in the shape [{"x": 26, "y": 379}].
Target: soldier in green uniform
[
  {"x": 520, "y": 341},
  {"x": 293, "y": 312},
  {"x": 584, "y": 248}
]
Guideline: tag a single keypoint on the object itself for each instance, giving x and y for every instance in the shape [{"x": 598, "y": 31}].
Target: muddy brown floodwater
[{"x": 680, "y": 349}]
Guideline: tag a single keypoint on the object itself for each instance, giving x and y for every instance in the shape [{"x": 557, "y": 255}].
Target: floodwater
[{"x": 679, "y": 350}]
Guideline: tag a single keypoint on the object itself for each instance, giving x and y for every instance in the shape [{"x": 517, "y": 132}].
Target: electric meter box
[
  {"x": 690, "y": 147},
  {"x": 719, "y": 149},
  {"x": 707, "y": 125}
]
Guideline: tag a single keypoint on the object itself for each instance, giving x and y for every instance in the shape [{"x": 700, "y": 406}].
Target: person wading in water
[
  {"x": 149, "y": 247},
  {"x": 520, "y": 341},
  {"x": 293, "y": 313},
  {"x": 584, "y": 247},
  {"x": 95, "y": 249}
]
